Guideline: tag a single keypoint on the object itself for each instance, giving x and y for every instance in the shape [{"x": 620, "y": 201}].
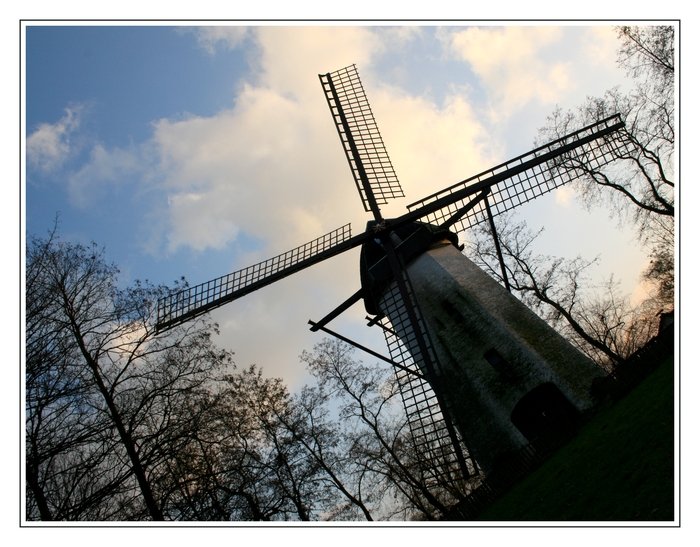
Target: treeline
[{"x": 124, "y": 424}]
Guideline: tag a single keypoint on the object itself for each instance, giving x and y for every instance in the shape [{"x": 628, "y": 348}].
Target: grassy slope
[{"x": 619, "y": 468}]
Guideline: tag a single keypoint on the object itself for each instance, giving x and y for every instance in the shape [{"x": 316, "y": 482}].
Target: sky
[
  {"x": 198, "y": 150},
  {"x": 162, "y": 144}
]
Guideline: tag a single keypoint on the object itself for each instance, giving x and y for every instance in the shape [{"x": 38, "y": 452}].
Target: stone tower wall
[{"x": 469, "y": 316}]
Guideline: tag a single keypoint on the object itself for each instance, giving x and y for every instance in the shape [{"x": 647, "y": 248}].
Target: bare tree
[
  {"x": 106, "y": 398},
  {"x": 126, "y": 424},
  {"x": 382, "y": 466},
  {"x": 284, "y": 484},
  {"x": 595, "y": 316},
  {"x": 649, "y": 52},
  {"x": 639, "y": 185},
  {"x": 312, "y": 425}
]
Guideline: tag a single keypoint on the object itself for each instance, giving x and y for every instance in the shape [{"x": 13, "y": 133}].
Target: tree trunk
[
  {"x": 136, "y": 466},
  {"x": 39, "y": 497}
]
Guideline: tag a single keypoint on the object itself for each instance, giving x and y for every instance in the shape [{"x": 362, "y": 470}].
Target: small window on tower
[{"x": 498, "y": 362}]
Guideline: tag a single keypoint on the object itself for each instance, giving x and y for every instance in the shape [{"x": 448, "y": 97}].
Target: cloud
[
  {"x": 598, "y": 45},
  {"x": 252, "y": 166},
  {"x": 272, "y": 167},
  {"x": 511, "y": 64},
  {"x": 564, "y": 195},
  {"x": 432, "y": 146},
  {"x": 49, "y": 145},
  {"x": 291, "y": 57},
  {"x": 105, "y": 168},
  {"x": 197, "y": 229},
  {"x": 272, "y": 164},
  {"x": 228, "y": 37}
]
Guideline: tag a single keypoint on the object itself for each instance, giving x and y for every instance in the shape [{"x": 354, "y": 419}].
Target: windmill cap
[{"x": 410, "y": 240}]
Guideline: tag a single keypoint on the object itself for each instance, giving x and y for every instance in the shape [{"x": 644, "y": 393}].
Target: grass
[{"x": 618, "y": 468}]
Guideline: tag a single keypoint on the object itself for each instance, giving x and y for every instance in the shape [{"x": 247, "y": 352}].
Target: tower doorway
[{"x": 544, "y": 414}]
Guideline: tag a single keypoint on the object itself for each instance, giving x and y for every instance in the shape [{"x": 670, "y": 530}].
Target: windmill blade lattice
[
  {"x": 528, "y": 176},
  {"x": 191, "y": 302},
  {"x": 438, "y": 448},
  {"x": 362, "y": 143}
]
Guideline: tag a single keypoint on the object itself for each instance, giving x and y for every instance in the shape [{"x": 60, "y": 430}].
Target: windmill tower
[{"x": 479, "y": 373}]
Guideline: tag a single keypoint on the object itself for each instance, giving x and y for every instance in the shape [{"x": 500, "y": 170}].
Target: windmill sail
[
  {"x": 439, "y": 450},
  {"x": 191, "y": 302},
  {"x": 526, "y": 177},
  {"x": 364, "y": 149}
]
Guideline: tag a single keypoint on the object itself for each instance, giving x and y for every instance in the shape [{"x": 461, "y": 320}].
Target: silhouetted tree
[
  {"x": 594, "y": 316},
  {"x": 107, "y": 401},
  {"x": 123, "y": 423},
  {"x": 639, "y": 185},
  {"x": 271, "y": 471},
  {"x": 377, "y": 455}
]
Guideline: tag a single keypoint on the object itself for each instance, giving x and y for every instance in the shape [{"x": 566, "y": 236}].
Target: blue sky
[{"x": 196, "y": 151}]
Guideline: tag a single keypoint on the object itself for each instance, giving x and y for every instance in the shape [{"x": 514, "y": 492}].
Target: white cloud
[
  {"x": 105, "y": 167},
  {"x": 599, "y": 45},
  {"x": 49, "y": 145},
  {"x": 432, "y": 146},
  {"x": 252, "y": 166},
  {"x": 272, "y": 164},
  {"x": 291, "y": 57},
  {"x": 213, "y": 37},
  {"x": 510, "y": 64},
  {"x": 273, "y": 167},
  {"x": 564, "y": 195},
  {"x": 202, "y": 222}
]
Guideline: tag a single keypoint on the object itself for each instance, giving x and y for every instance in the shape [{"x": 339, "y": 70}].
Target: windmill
[{"x": 479, "y": 373}]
